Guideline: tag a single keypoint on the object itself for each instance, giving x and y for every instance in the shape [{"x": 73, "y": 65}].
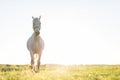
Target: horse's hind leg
[
  {"x": 39, "y": 57},
  {"x": 36, "y": 58}
]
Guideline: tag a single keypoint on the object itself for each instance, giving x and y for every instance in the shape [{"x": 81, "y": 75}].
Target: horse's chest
[{"x": 36, "y": 47}]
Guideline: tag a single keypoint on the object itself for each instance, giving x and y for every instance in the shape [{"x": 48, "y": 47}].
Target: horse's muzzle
[{"x": 37, "y": 33}]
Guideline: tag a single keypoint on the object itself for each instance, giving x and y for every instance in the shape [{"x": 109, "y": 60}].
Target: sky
[{"x": 74, "y": 31}]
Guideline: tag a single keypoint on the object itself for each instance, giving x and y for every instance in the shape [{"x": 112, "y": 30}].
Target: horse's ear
[
  {"x": 32, "y": 17},
  {"x": 39, "y": 17}
]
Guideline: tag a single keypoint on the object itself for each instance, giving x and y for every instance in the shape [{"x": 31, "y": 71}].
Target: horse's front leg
[
  {"x": 32, "y": 60},
  {"x": 38, "y": 63}
]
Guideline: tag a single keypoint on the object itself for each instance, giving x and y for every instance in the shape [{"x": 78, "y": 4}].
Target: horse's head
[{"x": 36, "y": 25}]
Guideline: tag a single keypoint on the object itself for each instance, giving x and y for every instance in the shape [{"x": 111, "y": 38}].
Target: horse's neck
[{"x": 35, "y": 37}]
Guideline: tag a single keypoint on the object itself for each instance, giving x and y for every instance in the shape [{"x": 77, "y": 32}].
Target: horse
[{"x": 35, "y": 45}]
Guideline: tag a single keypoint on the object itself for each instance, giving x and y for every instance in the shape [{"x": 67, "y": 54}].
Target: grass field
[{"x": 60, "y": 72}]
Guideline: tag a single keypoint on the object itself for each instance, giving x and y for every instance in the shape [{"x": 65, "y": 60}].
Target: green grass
[{"x": 61, "y": 72}]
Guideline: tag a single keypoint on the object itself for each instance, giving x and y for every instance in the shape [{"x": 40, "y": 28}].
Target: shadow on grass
[{"x": 9, "y": 68}]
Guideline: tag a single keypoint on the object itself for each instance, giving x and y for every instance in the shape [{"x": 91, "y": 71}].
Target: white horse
[{"x": 35, "y": 45}]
